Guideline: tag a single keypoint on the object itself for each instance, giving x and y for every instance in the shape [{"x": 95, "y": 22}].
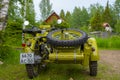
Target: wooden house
[{"x": 52, "y": 18}]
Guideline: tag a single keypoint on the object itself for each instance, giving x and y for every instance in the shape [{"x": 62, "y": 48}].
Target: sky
[{"x": 68, "y": 5}]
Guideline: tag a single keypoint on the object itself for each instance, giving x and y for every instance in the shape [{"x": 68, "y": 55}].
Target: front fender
[{"x": 94, "y": 55}]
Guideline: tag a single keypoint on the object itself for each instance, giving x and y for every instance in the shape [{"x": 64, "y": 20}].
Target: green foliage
[
  {"x": 6, "y": 52},
  {"x": 84, "y": 16},
  {"x": 9, "y": 39},
  {"x": 114, "y": 17},
  {"x": 117, "y": 26},
  {"x": 2, "y": 38},
  {"x": 117, "y": 9},
  {"x": 12, "y": 25},
  {"x": 106, "y": 16},
  {"x": 84, "y": 28},
  {"x": 93, "y": 8},
  {"x": 96, "y": 22},
  {"x": 62, "y": 25},
  {"x": 80, "y": 17},
  {"x": 68, "y": 17},
  {"x": 14, "y": 11},
  {"x": 45, "y": 8},
  {"x": 30, "y": 12},
  {"x": 75, "y": 23},
  {"x": 13, "y": 33},
  {"x": 62, "y": 14},
  {"x": 17, "y": 13},
  {"x": 109, "y": 43}
]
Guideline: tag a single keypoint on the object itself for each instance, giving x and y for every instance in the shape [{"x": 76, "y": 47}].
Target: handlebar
[{"x": 32, "y": 30}]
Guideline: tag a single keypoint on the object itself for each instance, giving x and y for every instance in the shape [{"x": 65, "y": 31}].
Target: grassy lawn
[
  {"x": 13, "y": 70},
  {"x": 57, "y": 72}
]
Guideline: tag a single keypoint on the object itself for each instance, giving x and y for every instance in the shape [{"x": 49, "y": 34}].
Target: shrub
[
  {"x": 5, "y": 50},
  {"x": 62, "y": 25}
]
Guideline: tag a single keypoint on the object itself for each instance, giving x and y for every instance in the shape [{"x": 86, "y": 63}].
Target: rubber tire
[
  {"x": 93, "y": 68},
  {"x": 30, "y": 70},
  {"x": 30, "y": 67},
  {"x": 66, "y": 43}
]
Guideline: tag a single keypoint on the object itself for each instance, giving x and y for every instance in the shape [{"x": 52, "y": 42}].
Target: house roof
[{"x": 53, "y": 14}]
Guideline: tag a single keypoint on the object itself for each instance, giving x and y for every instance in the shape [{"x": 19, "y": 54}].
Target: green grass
[
  {"x": 57, "y": 72},
  {"x": 13, "y": 70},
  {"x": 109, "y": 43}
]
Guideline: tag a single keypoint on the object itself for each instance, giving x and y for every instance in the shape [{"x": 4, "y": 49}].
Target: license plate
[{"x": 27, "y": 58}]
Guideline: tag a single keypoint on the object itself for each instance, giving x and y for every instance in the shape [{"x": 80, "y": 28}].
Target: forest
[{"x": 93, "y": 16}]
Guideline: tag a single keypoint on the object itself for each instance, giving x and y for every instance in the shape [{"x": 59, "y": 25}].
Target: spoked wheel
[
  {"x": 67, "y": 37},
  {"x": 32, "y": 70},
  {"x": 93, "y": 68}
]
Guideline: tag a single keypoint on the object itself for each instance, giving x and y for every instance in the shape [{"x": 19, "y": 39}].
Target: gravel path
[{"x": 111, "y": 58}]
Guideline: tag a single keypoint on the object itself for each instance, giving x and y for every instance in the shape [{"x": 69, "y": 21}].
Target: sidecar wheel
[{"x": 66, "y": 38}]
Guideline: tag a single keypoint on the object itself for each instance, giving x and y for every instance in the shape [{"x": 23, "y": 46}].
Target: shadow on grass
[{"x": 64, "y": 72}]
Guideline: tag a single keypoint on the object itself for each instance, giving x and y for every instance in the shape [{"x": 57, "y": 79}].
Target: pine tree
[
  {"x": 30, "y": 12},
  {"x": 62, "y": 14},
  {"x": 84, "y": 17},
  {"x": 117, "y": 9},
  {"x": 93, "y": 8},
  {"x": 68, "y": 18},
  {"x": 106, "y": 16},
  {"x": 117, "y": 26},
  {"x": 76, "y": 18},
  {"x": 96, "y": 21}
]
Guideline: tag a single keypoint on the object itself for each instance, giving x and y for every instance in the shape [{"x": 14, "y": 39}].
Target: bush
[
  {"x": 12, "y": 26},
  {"x": 84, "y": 28},
  {"x": 13, "y": 33},
  {"x": 5, "y": 50},
  {"x": 62, "y": 25}
]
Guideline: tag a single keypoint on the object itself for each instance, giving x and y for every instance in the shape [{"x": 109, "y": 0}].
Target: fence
[{"x": 101, "y": 34}]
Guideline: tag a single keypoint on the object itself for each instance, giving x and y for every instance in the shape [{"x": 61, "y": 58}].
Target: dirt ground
[{"x": 111, "y": 58}]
